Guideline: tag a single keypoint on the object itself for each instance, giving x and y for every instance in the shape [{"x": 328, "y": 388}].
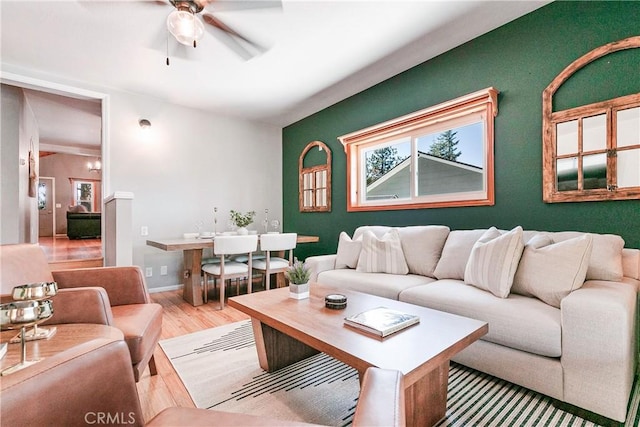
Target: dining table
[{"x": 192, "y": 249}]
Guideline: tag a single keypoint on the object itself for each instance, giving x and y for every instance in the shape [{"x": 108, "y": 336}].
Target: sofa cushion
[
  {"x": 382, "y": 255},
  {"x": 519, "y": 322},
  {"x": 378, "y": 230},
  {"x": 141, "y": 325},
  {"x": 494, "y": 260},
  {"x": 455, "y": 254},
  {"x": 605, "y": 262},
  {"x": 383, "y": 285},
  {"x": 550, "y": 271},
  {"x": 348, "y": 251},
  {"x": 422, "y": 246}
]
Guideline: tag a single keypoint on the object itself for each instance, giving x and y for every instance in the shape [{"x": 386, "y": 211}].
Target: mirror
[{"x": 315, "y": 179}]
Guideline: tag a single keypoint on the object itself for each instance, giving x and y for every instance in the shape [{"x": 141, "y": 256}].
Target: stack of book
[{"x": 381, "y": 321}]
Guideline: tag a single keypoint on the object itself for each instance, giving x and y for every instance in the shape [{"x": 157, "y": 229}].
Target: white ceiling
[{"x": 320, "y": 52}]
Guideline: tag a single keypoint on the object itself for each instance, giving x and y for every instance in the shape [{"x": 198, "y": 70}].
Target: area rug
[{"x": 219, "y": 367}]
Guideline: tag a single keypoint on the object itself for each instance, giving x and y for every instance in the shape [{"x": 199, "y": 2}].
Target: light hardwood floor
[{"x": 179, "y": 318}]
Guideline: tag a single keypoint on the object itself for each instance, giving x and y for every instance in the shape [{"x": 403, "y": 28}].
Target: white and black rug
[{"x": 219, "y": 367}]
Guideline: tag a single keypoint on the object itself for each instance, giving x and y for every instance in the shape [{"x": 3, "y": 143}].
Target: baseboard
[{"x": 165, "y": 289}]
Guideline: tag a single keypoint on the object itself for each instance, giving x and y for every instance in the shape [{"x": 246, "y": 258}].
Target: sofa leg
[{"x": 152, "y": 366}]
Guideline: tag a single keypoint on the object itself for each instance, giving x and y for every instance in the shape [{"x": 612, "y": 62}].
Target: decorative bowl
[
  {"x": 35, "y": 291},
  {"x": 16, "y": 314}
]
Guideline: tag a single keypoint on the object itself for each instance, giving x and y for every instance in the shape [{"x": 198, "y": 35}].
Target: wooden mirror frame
[
  {"x": 551, "y": 193},
  {"x": 309, "y": 176}
]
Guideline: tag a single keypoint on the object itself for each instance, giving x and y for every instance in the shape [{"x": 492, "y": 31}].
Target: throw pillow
[
  {"x": 348, "y": 251},
  {"x": 382, "y": 255},
  {"x": 422, "y": 246},
  {"x": 455, "y": 254},
  {"x": 606, "y": 255},
  {"x": 494, "y": 260},
  {"x": 551, "y": 270}
]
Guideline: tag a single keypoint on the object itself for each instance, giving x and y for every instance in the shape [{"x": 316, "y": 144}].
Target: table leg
[
  {"x": 277, "y": 350},
  {"x": 192, "y": 290},
  {"x": 426, "y": 399}
]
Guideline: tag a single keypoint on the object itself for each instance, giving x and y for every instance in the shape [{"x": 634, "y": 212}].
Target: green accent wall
[{"x": 519, "y": 59}]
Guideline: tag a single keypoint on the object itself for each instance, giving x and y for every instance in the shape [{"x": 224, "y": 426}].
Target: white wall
[{"x": 189, "y": 162}]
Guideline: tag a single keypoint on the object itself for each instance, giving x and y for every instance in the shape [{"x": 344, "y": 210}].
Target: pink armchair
[{"x": 117, "y": 296}]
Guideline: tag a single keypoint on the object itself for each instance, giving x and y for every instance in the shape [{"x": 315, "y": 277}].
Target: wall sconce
[
  {"x": 144, "y": 124},
  {"x": 95, "y": 167}
]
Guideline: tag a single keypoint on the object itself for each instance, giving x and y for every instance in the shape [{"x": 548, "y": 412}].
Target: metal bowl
[
  {"x": 15, "y": 315},
  {"x": 35, "y": 291}
]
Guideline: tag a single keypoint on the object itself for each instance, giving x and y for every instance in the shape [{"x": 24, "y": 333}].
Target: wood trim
[{"x": 550, "y": 194}]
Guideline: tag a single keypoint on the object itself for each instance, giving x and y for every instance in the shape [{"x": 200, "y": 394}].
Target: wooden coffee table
[{"x": 288, "y": 330}]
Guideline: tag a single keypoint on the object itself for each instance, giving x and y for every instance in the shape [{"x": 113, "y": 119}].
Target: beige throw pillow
[
  {"x": 382, "y": 255},
  {"x": 348, "y": 251},
  {"x": 494, "y": 260},
  {"x": 422, "y": 246},
  {"x": 455, "y": 253},
  {"x": 550, "y": 271}
]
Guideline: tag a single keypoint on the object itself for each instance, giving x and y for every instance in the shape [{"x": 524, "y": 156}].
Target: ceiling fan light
[{"x": 185, "y": 27}]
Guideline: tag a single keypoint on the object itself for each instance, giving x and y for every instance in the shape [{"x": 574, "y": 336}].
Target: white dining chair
[
  {"x": 277, "y": 242},
  {"x": 226, "y": 270}
]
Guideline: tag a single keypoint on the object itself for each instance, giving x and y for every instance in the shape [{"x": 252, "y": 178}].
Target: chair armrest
[
  {"x": 319, "y": 263},
  {"x": 81, "y": 305},
  {"x": 124, "y": 285},
  {"x": 74, "y": 387},
  {"x": 381, "y": 401}
]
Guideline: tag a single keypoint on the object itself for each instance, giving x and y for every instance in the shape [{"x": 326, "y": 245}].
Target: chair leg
[
  {"x": 223, "y": 284},
  {"x": 267, "y": 280},
  {"x": 204, "y": 286},
  {"x": 152, "y": 366}
]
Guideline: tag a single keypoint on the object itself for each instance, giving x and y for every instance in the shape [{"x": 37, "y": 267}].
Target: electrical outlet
[
  {"x": 144, "y": 230},
  {"x": 163, "y": 270},
  {"x": 148, "y": 272}
]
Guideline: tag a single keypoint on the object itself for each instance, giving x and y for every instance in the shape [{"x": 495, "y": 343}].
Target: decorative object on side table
[
  {"x": 30, "y": 309},
  {"x": 298, "y": 275},
  {"x": 35, "y": 292},
  {"x": 242, "y": 220}
]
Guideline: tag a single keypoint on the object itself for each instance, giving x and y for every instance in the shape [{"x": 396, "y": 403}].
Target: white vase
[
  {"x": 242, "y": 231},
  {"x": 298, "y": 291}
]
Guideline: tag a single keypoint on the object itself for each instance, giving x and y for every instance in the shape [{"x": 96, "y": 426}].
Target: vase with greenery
[
  {"x": 242, "y": 220},
  {"x": 298, "y": 275}
]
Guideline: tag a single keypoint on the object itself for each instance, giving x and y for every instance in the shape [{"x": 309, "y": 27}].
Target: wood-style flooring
[
  {"x": 179, "y": 318},
  {"x": 62, "y": 252}
]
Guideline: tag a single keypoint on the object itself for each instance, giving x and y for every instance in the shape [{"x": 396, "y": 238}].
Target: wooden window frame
[
  {"x": 311, "y": 173},
  {"x": 484, "y": 102},
  {"x": 550, "y": 120}
]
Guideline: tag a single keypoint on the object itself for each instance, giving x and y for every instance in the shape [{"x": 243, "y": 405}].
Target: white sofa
[{"x": 582, "y": 352}]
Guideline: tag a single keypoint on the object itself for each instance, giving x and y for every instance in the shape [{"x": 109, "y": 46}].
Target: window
[
  {"x": 591, "y": 152},
  {"x": 441, "y": 156},
  {"x": 83, "y": 193}
]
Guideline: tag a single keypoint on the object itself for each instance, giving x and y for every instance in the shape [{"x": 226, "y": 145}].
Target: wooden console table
[{"x": 192, "y": 252}]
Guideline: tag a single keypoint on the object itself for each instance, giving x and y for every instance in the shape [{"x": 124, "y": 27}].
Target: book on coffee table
[{"x": 381, "y": 321}]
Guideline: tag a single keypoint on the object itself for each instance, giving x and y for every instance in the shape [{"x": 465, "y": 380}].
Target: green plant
[
  {"x": 298, "y": 273},
  {"x": 240, "y": 219}
]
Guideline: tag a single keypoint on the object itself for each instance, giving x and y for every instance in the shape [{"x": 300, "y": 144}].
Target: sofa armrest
[
  {"x": 598, "y": 346},
  {"x": 74, "y": 387},
  {"x": 81, "y": 305},
  {"x": 124, "y": 285},
  {"x": 381, "y": 401},
  {"x": 319, "y": 263}
]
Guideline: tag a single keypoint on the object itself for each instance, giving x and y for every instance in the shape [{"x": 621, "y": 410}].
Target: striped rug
[{"x": 219, "y": 368}]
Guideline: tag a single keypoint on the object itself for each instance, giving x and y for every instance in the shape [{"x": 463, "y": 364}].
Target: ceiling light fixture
[
  {"x": 95, "y": 167},
  {"x": 184, "y": 25},
  {"x": 144, "y": 124}
]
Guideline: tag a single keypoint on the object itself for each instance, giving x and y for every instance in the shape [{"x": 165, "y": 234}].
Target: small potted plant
[
  {"x": 298, "y": 275},
  {"x": 242, "y": 220}
]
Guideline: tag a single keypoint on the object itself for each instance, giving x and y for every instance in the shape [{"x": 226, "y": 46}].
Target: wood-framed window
[
  {"x": 441, "y": 156},
  {"x": 314, "y": 193},
  {"x": 591, "y": 152}
]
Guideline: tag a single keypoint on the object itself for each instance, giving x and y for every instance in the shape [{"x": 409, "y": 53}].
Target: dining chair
[
  {"x": 226, "y": 270},
  {"x": 276, "y": 242}
]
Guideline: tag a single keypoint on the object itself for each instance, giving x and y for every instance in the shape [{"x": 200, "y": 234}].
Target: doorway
[{"x": 46, "y": 204}]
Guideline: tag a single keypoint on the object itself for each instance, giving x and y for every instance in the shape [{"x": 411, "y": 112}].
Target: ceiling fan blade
[
  {"x": 232, "y": 37},
  {"x": 222, "y": 5}
]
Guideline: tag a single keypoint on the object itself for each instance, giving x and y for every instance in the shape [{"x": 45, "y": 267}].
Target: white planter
[
  {"x": 242, "y": 231},
  {"x": 300, "y": 291}
]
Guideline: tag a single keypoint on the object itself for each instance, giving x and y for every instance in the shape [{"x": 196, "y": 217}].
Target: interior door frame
[{"x": 27, "y": 82}]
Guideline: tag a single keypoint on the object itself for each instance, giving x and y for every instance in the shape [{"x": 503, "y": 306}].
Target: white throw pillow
[
  {"x": 494, "y": 260},
  {"x": 606, "y": 255},
  {"x": 422, "y": 246},
  {"x": 382, "y": 255},
  {"x": 348, "y": 251},
  {"x": 455, "y": 254},
  {"x": 550, "y": 271}
]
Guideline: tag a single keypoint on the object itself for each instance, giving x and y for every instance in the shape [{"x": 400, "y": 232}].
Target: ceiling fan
[{"x": 185, "y": 23}]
